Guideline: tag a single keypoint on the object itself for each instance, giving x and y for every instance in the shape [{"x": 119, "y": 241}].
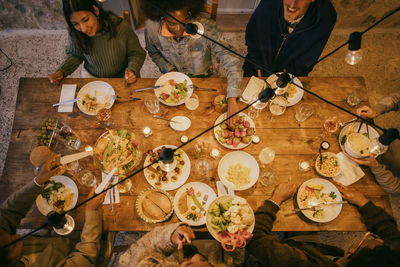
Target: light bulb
[{"x": 353, "y": 56}]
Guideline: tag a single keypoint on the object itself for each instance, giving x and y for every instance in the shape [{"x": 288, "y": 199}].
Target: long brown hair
[{"x": 107, "y": 24}]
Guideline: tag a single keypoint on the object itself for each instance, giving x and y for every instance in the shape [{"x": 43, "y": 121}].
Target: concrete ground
[{"x": 35, "y": 53}]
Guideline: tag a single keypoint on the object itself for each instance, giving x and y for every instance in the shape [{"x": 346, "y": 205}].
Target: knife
[
  {"x": 205, "y": 89},
  {"x": 66, "y": 102},
  {"x": 105, "y": 181},
  {"x": 148, "y": 88}
]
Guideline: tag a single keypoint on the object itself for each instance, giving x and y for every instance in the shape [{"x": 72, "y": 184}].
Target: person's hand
[
  {"x": 283, "y": 192},
  {"x": 56, "y": 77},
  {"x": 366, "y": 112},
  {"x": 353, "y": 195},
  {"x": 232, "y": 108},
  {"x": 130, "y": 76},
  {"x": 96, "y": 202},
  {"x": 50, "y": 168},
  {"x": 370, "y": 161},
  {"x": 182, "y": 234}
]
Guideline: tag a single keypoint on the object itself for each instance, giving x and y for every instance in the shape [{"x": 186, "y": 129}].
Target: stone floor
[{"x": 35, "y": 53}]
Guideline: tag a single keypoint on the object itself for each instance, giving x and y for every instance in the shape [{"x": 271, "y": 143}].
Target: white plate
[
  {"x": 331, "y": 211},
  {"x": 170, "y": 185},
  {"x": 299, "y": 93},
  {"x": 223, "y": 117},
  {"x": 318, "y": 170},
  {"x": 246, "y": 160},
  {"x": 42, "y": 204},
  {"x": 182, "y": 123},
  {"x": 353, "y": 128},
  {"x": 209, "y": 217},
  {"x": 179, "y": 78},
  {"x": 103, "y": 92},
  {"x": 197, "y": 186}
]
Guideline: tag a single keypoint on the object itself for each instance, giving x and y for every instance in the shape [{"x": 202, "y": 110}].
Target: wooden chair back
[{"x": 212, "y": 9}]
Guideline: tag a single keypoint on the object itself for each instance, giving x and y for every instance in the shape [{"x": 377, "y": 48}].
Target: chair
[{"x": 212, "y": 9}]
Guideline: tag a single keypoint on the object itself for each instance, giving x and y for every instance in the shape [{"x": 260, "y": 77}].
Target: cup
[
  {"x": 86, "y": 178},
  {"x": 304, "y": 112},
  {"x": 277, "y": 106},
  {"x": 152, "y": 104},
  {"x": 192, "y": 103},
  {"x": 104, "y": 116},
  {"x": 203, "y": 166},
  {"x": 354, "y": 99},
  {"x": 266, "y": 157},
  {"x": 255, "y": 109}
]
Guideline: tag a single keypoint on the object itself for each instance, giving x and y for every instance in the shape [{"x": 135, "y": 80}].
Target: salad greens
[{"x": 48, "y": 191}]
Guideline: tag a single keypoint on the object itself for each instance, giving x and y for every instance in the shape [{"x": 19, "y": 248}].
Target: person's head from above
[
  {"x": 10, "y": 255},
  {"x": 196, "y": 261},
  {"x": 182, "y": 10},
  {"x": 295, "y": 9}
]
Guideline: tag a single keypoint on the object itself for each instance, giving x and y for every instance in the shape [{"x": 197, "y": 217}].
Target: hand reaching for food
[
  {"x": 232, "y": 108},
  {"x": 370, "y": 161},
  {"x": 50, "y": 168},
  {"x": 130, "y": 76},
  {"x": 353, "y": 195},
  {"x": 366, "y": 112},
  {"x": 182, "y": 234},
  {"x": 56, "y": 77},
  {"x": 283, "y": 192}
]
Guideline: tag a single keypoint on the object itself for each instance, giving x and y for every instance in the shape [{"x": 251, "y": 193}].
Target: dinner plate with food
[
  {"x": 159, "y": 178},
  {"x": 175, "y": 88},
  {"x": 230, "y": 220},
  {"x": 293, "y": 94},
  {"x": 60, "y": 194},
  {"x": 120, "y": 149},
  {"x": 191, "y": 203},
  {"x": 328, "y": 165},
  {"x": 94, "y": 96},
  {"x": 154, "y": 205},
  {"x": 319, "y": 196},
  {"x": 237, "y": 138},
  {"x": 238, "y": 170}
]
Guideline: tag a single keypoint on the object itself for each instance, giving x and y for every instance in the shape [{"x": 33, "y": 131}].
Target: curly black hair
[{"x": 153, "y": 9}]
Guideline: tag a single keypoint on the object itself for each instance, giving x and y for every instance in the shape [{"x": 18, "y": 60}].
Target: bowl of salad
[
  {"x": 120, "y": 149},
  {"x": 175, "y": 88},
  {"x": 230, "y": 220}
]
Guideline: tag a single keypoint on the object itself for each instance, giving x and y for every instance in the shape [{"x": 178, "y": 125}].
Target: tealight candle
[
  {"x": 214, "y": 153},
  {"x": 255, "y": 139},
  {"x": 146, "y": 131},
  {"x": 304, "y": 165},
  {"x": 88, "y": 148},
  {"x": 184, "y": 138}
]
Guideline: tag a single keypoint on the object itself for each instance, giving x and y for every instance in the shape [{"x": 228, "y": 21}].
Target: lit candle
[
  {"x": 146, "y": 131},
  {"x": 214, "y": 153},
  {"x": 255, "y": 139},
  {"x": 304, "y": 166},
  {"x": 88, "y": 148},
  {"x": 184, "y": 138}
]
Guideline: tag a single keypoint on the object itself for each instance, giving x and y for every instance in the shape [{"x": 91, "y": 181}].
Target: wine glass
[
  {"x": 277, "y": 106},
  {"x": 266, "y": 157},
  {"x": 192, "y": 103},
  {"x": 104, "y": 115},
  {"x": 256, "y": 108},
  {"x": 86, "y": 178},
  {"x": 152, "y": 104},
  {"x": 304, "y": 112}
]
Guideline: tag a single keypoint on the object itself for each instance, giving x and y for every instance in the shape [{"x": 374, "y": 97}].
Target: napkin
[
  {"x": 107, "y": 199},
  {"x": 223, "y": 189},
  {"x": 350, "y": 171},
  {"x": 67, "y": 93},
  {"x": 253, "y": 88}
]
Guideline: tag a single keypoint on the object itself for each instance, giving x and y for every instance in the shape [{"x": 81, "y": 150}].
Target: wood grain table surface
[{"x": 292, "y": 142}]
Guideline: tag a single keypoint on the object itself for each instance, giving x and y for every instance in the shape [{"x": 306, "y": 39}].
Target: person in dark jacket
[
  {"x": 305, "y": 250},
  {"x": 288, "y": 35}
]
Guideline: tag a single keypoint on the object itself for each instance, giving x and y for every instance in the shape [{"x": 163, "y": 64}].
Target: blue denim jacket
[{"x": 191, "y": 55}]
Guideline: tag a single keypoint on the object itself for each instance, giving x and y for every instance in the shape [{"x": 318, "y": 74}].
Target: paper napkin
[
  {"x": 107, "y": 199},
  {"x": 223, "y": 189},
  {"x": 253, "y": 88},
  {"x": 67, "y": 93},
  {"x": 350, "y": 171}
]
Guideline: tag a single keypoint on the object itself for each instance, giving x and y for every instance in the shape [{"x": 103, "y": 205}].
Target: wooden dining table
[{"x": 292, "y": 142}]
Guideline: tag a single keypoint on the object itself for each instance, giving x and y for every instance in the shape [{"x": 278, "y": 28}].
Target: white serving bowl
[
  {"x": 350, "y": 148},
  {"x": 319, "y": 171}
]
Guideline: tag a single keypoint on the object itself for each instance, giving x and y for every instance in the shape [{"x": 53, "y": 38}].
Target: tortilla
[
  {"x": 151, "y": 210},
  {"x": 40, "y": 155},
  {"x": 161, "y": 201}
]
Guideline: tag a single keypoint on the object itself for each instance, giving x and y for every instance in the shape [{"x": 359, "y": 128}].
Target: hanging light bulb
[
  {"x": 354, "y": 54},
  {"x": 167, "y": 162}
]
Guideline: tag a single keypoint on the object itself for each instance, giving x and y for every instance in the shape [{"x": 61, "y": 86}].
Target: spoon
[{"x": 162, "y": 118}]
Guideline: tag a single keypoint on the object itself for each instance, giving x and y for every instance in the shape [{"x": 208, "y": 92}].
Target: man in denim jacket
[{"x": 172, "y": 49}]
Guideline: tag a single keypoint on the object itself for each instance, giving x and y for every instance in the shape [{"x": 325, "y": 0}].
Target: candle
[
  {"x": 214, "y": 153},
  {"x": 304, "y": 165},
  {"x": 184, "y": 138},
  {"x": 146, "y": 131},
  {"x": 255, "y": 139},
  {"x": 88, "y": 148}
]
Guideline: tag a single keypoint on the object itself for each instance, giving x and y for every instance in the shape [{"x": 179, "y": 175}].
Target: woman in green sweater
[{"x": 103, "y": 41}]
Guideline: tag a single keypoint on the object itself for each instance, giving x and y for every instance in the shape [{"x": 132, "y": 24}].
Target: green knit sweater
[{"x": 108, "y": 58}]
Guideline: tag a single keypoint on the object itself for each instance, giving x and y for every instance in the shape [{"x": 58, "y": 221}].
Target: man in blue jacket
[{"x": 288, "y": 35}]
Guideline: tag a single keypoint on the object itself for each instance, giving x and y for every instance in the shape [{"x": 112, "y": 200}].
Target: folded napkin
[
  {"x": 253, "y": 88},
  {"x": 223, "y": 189},
  {"x": 107, "y": 199},
  {"x": 350, "y": 171},
  {"x": 67, "y": 93}
]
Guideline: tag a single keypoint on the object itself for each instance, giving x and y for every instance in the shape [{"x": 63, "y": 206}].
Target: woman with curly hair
[
  {"x": 172, "y": 49},
  {"x": 103, "y": 41}
]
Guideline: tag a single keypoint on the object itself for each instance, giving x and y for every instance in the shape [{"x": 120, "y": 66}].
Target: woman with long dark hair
[{"x": 103, "y": 41}]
